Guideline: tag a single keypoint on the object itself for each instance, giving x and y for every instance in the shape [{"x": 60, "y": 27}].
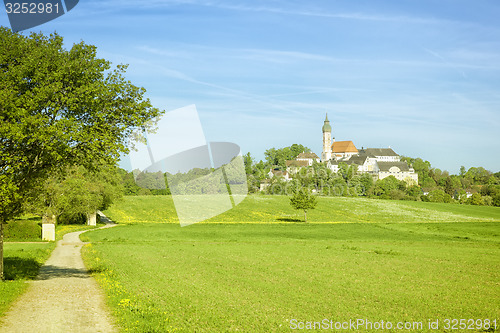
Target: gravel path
[{"x": 63, "y": 298}]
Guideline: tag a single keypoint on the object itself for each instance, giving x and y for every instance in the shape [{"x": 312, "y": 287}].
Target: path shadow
[
  {"x": 48, "y": 272},
  {"x": 17, "y": 268},
  {"x": 287, "y": 219}
]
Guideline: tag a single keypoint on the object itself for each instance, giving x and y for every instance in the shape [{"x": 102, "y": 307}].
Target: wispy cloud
[
  {"x": 164, "y": 52},
  {"x": 284, "y": 9},
  {"x": 437, "y": 55},
  {"x": 396, "y": 71},
  {"x": 191, "y": 51}
]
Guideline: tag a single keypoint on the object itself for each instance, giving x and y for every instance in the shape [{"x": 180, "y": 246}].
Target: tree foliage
[
  {"x": 77, "y": 192},
  {"x": 278, "y": 157},
  {"x": 59, "y": 108},
  {"x": 303, "y": 199}
]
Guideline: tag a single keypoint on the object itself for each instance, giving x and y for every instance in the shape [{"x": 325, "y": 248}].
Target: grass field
[
  {"x": 260, "y": 208},
  {"x": 263, "y": 277}
]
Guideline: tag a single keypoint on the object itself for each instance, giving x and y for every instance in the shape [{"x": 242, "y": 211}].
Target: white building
[
  {"x": 380, "y": 162},
  {"x": 400, "y": 170},
  {"x": 381, "y": 154},
  {"x": 278, "y": 173},
  {"x": 308, "y": 157}
]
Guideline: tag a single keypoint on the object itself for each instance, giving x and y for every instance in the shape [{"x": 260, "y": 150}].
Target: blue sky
[{"x": 422, "y": 77}]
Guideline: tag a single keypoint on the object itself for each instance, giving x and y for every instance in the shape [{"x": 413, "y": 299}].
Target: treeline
[
  {"x": 475, "y": 186},
  {"x": 158, "y": 183},
  {"x": 194, "y": 182}
]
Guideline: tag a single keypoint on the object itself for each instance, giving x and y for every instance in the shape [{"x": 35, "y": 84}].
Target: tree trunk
[
  {"x": 1, "y": 250},
  {"x": 305, "y": 216}
]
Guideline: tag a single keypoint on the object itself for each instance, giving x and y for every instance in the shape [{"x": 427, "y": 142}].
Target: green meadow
[
  {"x": 262, "y": 208},
  {"x": 389, "y": 263}
]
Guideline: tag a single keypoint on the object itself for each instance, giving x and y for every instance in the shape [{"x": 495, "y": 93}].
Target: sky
[{"x": 421, "y": 77}]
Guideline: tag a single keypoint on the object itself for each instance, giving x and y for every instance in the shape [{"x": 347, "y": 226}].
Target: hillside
[{"x": 269, "y": 209}]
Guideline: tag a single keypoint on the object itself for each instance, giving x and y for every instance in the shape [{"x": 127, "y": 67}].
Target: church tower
[{"x": 327, "y": 141}]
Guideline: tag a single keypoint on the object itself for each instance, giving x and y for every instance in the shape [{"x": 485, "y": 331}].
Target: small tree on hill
[{"x": 303, "y": 199}]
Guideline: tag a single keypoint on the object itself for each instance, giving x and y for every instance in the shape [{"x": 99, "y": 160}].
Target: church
[{"x": 379, "y": 162}]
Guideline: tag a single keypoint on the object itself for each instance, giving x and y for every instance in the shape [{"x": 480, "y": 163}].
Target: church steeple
[
  {"x": 327, "y": 140},
  {"x": 326, "y": 125}
]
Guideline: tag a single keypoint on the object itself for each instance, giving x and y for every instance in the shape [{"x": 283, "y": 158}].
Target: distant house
[
  {"x": 278, "y": 173},
  {"x": 303, "y": 160},
  {"x": 274, "y": 173},
  {"x": 400, "y": 170},
  {"x": 363, "y": 163},
  {"x": 309, "y": 157},
  {"x": 293, "y": 166},
  {"x": 381, "y": 154}
]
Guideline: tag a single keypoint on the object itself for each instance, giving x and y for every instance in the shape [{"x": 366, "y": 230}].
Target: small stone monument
[
  {"x": 49, "y": 228},
  {"x": 92, "y": 218}
]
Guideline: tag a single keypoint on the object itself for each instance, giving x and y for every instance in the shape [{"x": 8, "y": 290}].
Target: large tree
[{"x": 59, "y": 107}]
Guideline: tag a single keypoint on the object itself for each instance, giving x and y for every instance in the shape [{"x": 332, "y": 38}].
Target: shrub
[
  {"x": 22, "y": 229},
  {"x": 475, "y": 199},
  {"x": 72, "y": 219},
  {"x": 439, "y": 196},
  {"x": 496, "y": 200},
  {"x": 396, "y": 194},
  {"x": 413, "y": 191},
  {"x": 487, "y": 200},
  {"x": 411, "y": 198}
]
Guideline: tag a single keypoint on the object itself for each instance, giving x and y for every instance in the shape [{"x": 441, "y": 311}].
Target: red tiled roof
[{"x": 343, "y": 147}]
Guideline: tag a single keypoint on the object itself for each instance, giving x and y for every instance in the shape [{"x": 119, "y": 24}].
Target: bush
[
  {"x": 413, "y": 191},
  {"x": 439, "y": 196},
  {"x": 487, "y": 200},
  {"x": 22, "y": 229},
  {"x": 496, "y": 200},
  {"x": 411, "y": 198},
  {"x": 396, "y": 194},
  {"x": 475, "y": 199},
  {"x": 72, "y": 219}
]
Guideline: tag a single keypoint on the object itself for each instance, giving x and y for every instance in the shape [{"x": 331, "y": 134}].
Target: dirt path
[{"x": 64, "y": 298}]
